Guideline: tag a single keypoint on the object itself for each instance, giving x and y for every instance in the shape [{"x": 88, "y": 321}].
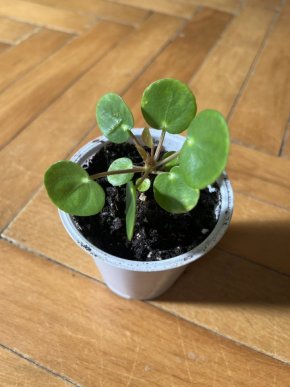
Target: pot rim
[{"x": 225, "y": 214}]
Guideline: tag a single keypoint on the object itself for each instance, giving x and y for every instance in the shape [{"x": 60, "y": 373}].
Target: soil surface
[{"x": 158, "y": 234}]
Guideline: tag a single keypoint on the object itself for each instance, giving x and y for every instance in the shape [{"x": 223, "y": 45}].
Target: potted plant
[{"x": 147, "y": 202}]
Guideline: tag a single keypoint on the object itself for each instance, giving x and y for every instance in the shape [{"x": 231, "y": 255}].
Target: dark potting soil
[{"x": 158, "y": 234}]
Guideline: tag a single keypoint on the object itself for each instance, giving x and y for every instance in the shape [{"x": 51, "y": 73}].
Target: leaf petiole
[
  {"x": 119, "y": 172},
  {"x": 167, "y": 159}
]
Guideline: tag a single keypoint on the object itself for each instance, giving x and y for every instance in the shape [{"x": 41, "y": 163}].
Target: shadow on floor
[{"x": 235, "y": 272}]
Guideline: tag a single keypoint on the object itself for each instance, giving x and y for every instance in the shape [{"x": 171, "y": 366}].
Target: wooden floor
[{"x": 226, "y": 322}]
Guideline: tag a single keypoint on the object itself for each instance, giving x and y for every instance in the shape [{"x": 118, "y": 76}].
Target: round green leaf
[
  {"x": 117, "y": 165},
  {"x": 130, "y": 209},
  {"x": 204, "y": 154},
  {"x": 171, "y": 163},
  {"x": 168, "y": 104},
  {"x": 70, "y": 188},
  {"x": 173, "y": 194},
  {"x": 144, "y": 186},
  {"x": 114, "y": 118}
]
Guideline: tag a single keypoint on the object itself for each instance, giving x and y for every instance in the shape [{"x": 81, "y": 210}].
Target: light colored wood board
[
  {"x": 260, "y": 175},
  {"x": 262, "y": 112},
  {"x": 102, "y": 9},
  {"x": 64, "y": 20},
  {"x": 177, "y": 59},
  {"x": 219, "y": 80},
  {"x": 78, "y": 328},
  {"x": 62, "y": 126},
  {"x": 3, "y": 47},
  {"x": 28, "y": 54},
  {"x": 237, "y": 299},
  {"x": 259, "y": 232},
  {"x": 53, "y": 76},
  {"x": 16, "y": 371},
  {"x": 286, "y": 144},
  {"x": 272, "y": 4},
  {"x": 180, "y": 8},
  {"x": 12, "y": 31},
  {"x": 231, "y": 6},
  {"x": 25, "y": 232}
]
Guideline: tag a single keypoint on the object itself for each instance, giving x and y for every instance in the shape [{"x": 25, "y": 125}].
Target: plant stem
[
  {"x": 159, "y": 146},
  {"x": 142, "y": 152},
  {"x": 119, "y": 172},
  {"x": 167, "y": 159}
]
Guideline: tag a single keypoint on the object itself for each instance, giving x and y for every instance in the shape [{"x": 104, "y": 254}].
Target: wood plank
[
  {"x": 259, "y": 232},
  {"x": 78, "y": 328},
  {"x": 235, "y": 298},
  {"x": 286, "y": 145},
  {"x": 28, "y": 54},
  {"x": 180, "y": 8},
  {"x": 231, "y": 6},
  {"x": 177, "y": 60},
  {"x": 12, "y": 31},
  {"x": 41, "y": 15},
  {"x": 218, "y": 82},
  {"x": 3, "y": 47},
  {"x": 262, "y": 176},
  {"x": 102, "y": 9},
  {"x": 272, "y": 4},
  {"x": 62, "y": 126},
  {"x": 53, "y": 76},
  {"x": 261, "y": 115},
  {"x": 16, "y": 371}
]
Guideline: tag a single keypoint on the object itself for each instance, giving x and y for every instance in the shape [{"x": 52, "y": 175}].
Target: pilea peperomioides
[{"x": 177, "y": 177}]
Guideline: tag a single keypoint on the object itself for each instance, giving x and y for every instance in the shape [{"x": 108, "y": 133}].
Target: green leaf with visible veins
[
  {"x": 72, "y": 190},
  {"x": 173, "y": 194},
  {"x": 168, "y": 104},
  {"x": 122, "y": 178},
  {"x": 130, "y": 209},
  {"x": 114, "y": 118},
  {"x": 204, "y": 154}
]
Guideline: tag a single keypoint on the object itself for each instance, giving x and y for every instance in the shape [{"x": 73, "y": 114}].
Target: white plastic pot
[{"x": 147, "y": 280}]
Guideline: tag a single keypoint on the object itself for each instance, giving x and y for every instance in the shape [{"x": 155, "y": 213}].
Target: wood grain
[
  {"x": 16, "y": 371},
  {"x": 218, "y": 81},
  {"x": 261, "y": 115},
  {"x": 62, "y": 126},
  {"x": 265, "y": 239},
  {"x": 3, "y": 47},
  {"x": 12, "y": 31},
  {"x": 232, "y": 6},
  {"x": 53, "y": 76},
  {"x": 286, "y": 144},
  {"x": 176, "y": 60},
  {"x": 41, "y": 15},
  {"x": 102, "y": 9},
  {"x": 78, "y": 328},
  {"x": 28, "y": 54},
  {"x": 260, "y": 175},
  {"x": 181, "y": 8},
  {"x": 238, "y": 299}
]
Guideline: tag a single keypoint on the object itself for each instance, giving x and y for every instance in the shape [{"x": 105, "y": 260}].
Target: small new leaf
[
  {"x": 168, "y": 104},
  {"x": 173, "y": 194},
  {"x": 147, "y": 138},
  {"x": 122, "y": 178},
  {"x": 70, "y": 188},
  {"x": 144, "y": 186},
  {"x": 130, "y": 209},
  {"x": 114, "y": 118}
]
